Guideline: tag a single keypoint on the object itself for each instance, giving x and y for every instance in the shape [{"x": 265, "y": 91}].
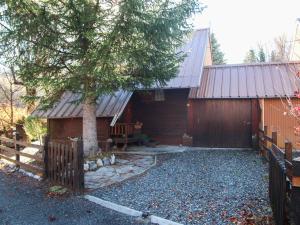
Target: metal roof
[
  {"x": 190, "y": 70},
  {"x": 107, "y": 106},
  {"x": 189, "y": 75},
  {"x": 263, "y": 80}
]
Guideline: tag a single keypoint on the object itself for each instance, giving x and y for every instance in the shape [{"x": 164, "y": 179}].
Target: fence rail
[{"x": 13, "y": 147}]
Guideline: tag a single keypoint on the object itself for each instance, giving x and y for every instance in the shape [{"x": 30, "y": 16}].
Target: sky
[{"x": 243, "y": 24}]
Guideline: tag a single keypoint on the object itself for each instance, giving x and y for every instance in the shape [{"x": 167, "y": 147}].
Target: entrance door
[{"x": 222, "y": 123}]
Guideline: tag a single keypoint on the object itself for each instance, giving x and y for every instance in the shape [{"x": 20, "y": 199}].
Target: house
[
  {"x": 219, "y": 106},
  {"x": 162, "y": 111},
  {"x": 233, "y": 101}
]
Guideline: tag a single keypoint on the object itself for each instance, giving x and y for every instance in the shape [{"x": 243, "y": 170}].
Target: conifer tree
[{"x": 93, "y": 47}]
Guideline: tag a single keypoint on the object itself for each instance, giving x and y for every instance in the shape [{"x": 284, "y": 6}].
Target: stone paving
[{"x": 126, "y": 166}]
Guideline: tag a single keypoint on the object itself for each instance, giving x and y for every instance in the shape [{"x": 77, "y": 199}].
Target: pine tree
[
  {"x": 217, "y": 54},
  {"x": 261, "y": 55},
  {"x": 93, "y": 47},
  {"x": 251, "y": 57}
]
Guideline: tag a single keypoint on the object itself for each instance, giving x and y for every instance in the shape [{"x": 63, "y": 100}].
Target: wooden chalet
[
  {"x": 161, "y": 111},
  {"x": 217, "y": 106}
]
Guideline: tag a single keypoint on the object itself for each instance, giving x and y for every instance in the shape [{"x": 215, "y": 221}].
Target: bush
[{"x": 35, "y": 128}]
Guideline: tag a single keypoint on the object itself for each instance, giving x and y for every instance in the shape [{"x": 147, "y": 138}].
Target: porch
[{"x": 122, "y": 134}]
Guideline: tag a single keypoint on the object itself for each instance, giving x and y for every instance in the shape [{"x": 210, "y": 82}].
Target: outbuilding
[{"x": 233, "y": 101}]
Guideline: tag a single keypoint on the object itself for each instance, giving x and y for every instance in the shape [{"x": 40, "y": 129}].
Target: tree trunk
[{"x": 89, "y": 128}]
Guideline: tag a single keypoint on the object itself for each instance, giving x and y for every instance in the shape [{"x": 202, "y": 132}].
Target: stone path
[
  {"x": 159, "y": 149},
  {"x": 126, "y": 166}
]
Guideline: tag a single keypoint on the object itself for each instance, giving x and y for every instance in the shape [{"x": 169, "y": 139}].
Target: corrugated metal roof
[
  {"x": 191, "y": 68},
  {"x": 107, "y": 106},
  {"x": 264, "y": 80},
  {"x": 189, "y": 75}
]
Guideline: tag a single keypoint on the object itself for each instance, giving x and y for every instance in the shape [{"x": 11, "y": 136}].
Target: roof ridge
[{"x": 252, "y": 64}]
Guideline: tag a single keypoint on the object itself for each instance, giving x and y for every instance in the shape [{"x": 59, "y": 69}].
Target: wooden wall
[
  {"x": 72, "y": 127},
  {"x": 277, "y": 118},
  {"x": 223, "y": 122},
  {"x": 164, "y": 121}
]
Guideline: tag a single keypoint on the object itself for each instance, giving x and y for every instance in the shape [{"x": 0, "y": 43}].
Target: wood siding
[
  {"x": 223, "y": 123},
  {"x": 277, "y": 118},
  {"x": 164, "y": 121},
  {"x": 64, "y": 128}
]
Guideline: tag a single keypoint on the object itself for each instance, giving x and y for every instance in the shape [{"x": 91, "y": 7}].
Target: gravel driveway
[
  {"x": 199, "y": 187},
  {"x": 23, "y": 201}
]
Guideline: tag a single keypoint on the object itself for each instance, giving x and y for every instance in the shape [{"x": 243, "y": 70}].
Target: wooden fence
[
  {"x": 10, "y": 150},
  {"x": 64, "y": 164},
  {"x": 284, "y": 179},
  {"x": 59, "y": 161}
]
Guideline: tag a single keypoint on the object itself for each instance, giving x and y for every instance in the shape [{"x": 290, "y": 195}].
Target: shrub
[{"x": 35, "y": 128}]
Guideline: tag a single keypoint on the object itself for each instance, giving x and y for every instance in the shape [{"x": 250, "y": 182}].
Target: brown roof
[
  {"x": 113, "y": 105},
  {"x": 190, "y": 70},
  {"x": 108, "y": 106},
  {"x": 264, "y": 80}
]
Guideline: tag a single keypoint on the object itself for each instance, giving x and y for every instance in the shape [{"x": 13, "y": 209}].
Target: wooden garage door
[{"x": 222, "y": 123}]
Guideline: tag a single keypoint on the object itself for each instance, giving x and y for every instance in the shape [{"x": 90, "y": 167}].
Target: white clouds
[{"x": 241, "y": 24}]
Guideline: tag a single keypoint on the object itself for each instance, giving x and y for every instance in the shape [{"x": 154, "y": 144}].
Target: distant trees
[
  {"x": 280, "y": 52},
  {"x": 251, "y": 57},
  {"x": 217, "y": 54},
  {"x": 11, "y": 108}
]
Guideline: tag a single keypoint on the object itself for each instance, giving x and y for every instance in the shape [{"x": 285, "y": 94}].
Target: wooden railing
[
  {"x": 284, "y": 179},
  {"x": 13, "y": 147},
  {"x": 121, "y": 129}
]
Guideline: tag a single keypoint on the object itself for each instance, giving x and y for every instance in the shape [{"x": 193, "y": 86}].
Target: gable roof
[
  {"x": 263, "y": 80},
  {"x": 190, "y": 70},
  {"x": 189, "y": 75}
]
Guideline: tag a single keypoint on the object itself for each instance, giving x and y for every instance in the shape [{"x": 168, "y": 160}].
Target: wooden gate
[
  {"x": 64, "y": 164},
  {"x": 222, "y": 123}
]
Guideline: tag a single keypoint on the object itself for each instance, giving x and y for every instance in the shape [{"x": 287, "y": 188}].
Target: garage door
[{"x": 222, "y": 123}]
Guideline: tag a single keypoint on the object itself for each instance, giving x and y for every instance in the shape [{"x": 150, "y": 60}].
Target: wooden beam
[
  {"x": 36, "y": 170},
  {"x": 11, "y": 150}
]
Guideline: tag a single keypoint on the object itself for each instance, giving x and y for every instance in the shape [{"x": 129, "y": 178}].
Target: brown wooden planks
[{"x": 222, "y": 123}]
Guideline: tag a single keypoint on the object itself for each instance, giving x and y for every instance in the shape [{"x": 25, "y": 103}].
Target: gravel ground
[
  {"x": 199, "y": 187},
  {"x": 23, "y": 201}
]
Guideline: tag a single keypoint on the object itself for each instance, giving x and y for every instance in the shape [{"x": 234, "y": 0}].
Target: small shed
[{"x": 233, "y": 101}]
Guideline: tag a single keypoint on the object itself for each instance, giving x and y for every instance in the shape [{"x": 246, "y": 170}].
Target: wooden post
[
  {"x": 295, "y": 204},
  {"x": 296, "y": 172},
  {"x": 295, "y": 195},
  {"x": 265, "y": 130},
  {"x": 17, "y": 147},
  {"x": 46, "y": 155},
  {"x": 288, "y": 151},
  {"x": 274, "y": 137},
  {"x": 80, "y": 166},
  {"x": 288, "y": 159},
  {"x": 265, "y": 142}
]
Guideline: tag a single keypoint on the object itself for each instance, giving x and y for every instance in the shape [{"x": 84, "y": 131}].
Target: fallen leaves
[
  {"x": 57, "y": 191},
  {"x": 246, "y": 217}
]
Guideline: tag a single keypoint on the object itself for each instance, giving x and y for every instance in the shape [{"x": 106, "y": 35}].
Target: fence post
[
  {"x": 274, "y": 137},
  {"x": 265, "y": 142},
  {"x": 80, "y": 165},
  {"x": 45, "y": 154},
  {"x": 17, "y": 147},
  {"x": 296, "y": 191},
  {"x": 288, "y": 156}
]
